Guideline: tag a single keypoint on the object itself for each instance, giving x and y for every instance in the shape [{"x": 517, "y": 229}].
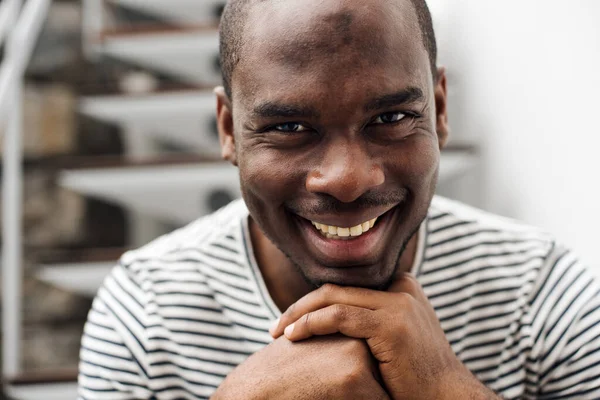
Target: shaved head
[
  {"x": 235, "y": 17},
  {"x": 339, "y": 118}
]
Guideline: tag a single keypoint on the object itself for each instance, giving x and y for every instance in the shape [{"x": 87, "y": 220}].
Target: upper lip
[{"x": 348, "y": 220}]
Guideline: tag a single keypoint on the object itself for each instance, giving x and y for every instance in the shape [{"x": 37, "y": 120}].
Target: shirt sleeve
[
  {"x": 112, "y": 354},
  {"x": 569, "y": 338}
]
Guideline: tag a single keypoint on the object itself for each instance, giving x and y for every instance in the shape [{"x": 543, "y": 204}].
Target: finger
[
  {"x": 328, "y": 295},
  {"x": 406, "y": 283},
  {"x": 351, "y": 321}
]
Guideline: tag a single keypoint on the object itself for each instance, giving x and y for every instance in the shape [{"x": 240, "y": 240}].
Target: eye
[
  {"x": 290, "y": 127},
  {"x": 389, "y": 118}
]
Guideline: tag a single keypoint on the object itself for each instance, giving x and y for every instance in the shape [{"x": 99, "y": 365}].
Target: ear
[
  {"x": 441, "y": 107},
  {"x": 225, "y": 126}
]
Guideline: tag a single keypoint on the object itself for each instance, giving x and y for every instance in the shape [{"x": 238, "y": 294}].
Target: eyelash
[{"x": 405, "y": 113}]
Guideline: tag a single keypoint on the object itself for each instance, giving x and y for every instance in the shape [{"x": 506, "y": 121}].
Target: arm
[
  {"x": 568, "y": 345},
  {"x": 111, "y": 345}
]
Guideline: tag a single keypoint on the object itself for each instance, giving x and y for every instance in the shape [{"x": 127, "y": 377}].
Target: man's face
[{"x": 333, "y": 126}]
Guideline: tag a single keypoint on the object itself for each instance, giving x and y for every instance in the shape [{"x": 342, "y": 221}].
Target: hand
[
  {"x": 401, "y": 329},
  {"x": 332, "y": 367}
]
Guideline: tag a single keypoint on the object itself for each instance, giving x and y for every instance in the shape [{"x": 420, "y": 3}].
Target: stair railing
[{"x": 20, "y": 27}]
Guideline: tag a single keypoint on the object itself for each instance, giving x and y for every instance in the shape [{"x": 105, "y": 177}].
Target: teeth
[
  {"x": 334, "y": 232},
  {"x": 343, "y": 232},
  {"x": 356, "y": 230}
]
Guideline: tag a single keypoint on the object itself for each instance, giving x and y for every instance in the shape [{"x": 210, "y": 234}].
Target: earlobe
[
  {"x": 441, "y": 107},
  {"x": 225, "y": 126}
]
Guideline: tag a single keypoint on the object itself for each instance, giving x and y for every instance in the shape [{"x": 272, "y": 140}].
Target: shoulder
[
  {"x": 486, "y": 257},
  {"x": 174, "y": 250},
  {"x": 445, "y": 212},
  {"x": 458, "y": 233},
  {"x": 510, "y": 259},
  {"x": 186, "y": 261}
]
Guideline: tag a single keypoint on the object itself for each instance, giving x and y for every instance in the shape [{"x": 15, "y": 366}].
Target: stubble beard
[{"x": 315, "y": 284}]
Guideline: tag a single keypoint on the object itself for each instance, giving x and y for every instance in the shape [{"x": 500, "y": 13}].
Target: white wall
[{"x": 526, "y": 84}]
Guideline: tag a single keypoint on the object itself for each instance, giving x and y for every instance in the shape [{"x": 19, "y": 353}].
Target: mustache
[{"x": 327, "y": 204}]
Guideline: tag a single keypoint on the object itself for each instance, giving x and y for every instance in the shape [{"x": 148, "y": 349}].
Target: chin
[{"x": 369, "y": 277}]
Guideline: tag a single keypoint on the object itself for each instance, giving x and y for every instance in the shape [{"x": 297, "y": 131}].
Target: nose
[{"x": 346, "y": 172}]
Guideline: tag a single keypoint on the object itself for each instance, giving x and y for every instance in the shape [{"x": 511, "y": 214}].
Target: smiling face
[{"x": 336, "y": 126}]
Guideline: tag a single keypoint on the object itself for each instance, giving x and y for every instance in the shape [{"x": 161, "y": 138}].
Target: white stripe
[{"x": 230, "y": 304}]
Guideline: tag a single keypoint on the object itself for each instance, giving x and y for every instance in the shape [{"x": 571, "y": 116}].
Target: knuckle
[
  {"x": 306, "y": 321},
  {"x": 290, "y": 310},
  {"x": 406, "y": 300},
  {"x": 374, "y": 323},
  {"x": 338, "y": 312},
  {"x": 327, "y": 290},
  {"x": 412, "y": 282},
  {"x": 400, "y": 327}
]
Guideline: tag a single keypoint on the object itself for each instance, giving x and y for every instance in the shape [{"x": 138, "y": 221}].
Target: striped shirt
[{"x": 176, "y": 316}]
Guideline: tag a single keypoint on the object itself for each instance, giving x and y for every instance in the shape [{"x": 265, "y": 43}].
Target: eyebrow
[
  {"x": 272, "y": 110},
  {"x": 405, "y": 96}
]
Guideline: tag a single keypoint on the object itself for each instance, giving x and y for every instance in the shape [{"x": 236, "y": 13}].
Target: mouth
[
  {"x": 341, "y": 247},
  {"x": 338, "y": 233}
]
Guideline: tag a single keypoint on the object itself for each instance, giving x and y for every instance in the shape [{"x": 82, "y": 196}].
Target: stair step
[
  {"x": 186, "y": 118},
  {"x": 179, "y": 190},
  {"x": 190, "y": 54},
  {"x": 81, "y": 271},
  {"x": 174, "y": 192},
  {"x": 47, "y": 385},
  {"x": 178, "y": 11}
]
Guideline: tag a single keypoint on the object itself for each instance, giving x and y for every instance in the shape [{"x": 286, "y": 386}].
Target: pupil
[
  {"x": 388, "y": 117},
  {"x": 289, "y": 127}
]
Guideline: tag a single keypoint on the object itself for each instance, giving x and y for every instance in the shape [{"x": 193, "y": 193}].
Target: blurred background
[{"x": 109, "y": 140}]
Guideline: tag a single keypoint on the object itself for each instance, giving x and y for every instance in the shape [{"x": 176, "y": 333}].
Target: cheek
[
  {"x": 416, "y": 166},
  {"x": 268, "y": 176}
]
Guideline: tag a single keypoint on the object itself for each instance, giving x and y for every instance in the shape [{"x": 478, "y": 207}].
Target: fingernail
[
  {"x": 288, "y": 331},
  {"x": 274, "y": 326}
]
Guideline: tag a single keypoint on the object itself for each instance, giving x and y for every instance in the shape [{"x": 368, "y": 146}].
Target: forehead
[{"x": 339, "y": 45}]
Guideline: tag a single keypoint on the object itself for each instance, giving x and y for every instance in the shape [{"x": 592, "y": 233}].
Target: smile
[
  {"x": 338, "y": 233},
  {"x": 342, "y": 241}
]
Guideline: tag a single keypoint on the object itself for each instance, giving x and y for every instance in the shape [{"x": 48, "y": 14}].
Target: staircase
[{"x": 170, "y": 173}]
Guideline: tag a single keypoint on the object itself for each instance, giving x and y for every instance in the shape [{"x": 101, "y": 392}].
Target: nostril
[{"x": 347, "y": 184}]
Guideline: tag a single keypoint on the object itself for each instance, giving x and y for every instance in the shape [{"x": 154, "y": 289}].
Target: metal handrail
[
  {"x": 9, "y": 9},
  {"x": 21, "y": 26},
  {"x": 19, "y": 46}
]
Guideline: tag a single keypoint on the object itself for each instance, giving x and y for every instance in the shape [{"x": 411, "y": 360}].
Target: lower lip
[{"x": 360, "y": 250}]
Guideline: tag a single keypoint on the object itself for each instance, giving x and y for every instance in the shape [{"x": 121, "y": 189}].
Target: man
[{"x": 340, "y": 275}]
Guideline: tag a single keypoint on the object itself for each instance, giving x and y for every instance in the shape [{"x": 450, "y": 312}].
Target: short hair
[{"x": 233, "y": 22}]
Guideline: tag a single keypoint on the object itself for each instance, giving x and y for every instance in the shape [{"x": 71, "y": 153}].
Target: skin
[
  {"x": 352, "y": 372},
  {"x": 335, "y": 73},
  {"x": 335, "y": 118}
]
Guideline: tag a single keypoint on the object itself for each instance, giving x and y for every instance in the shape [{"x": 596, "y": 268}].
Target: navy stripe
[{"x": 496, "y": 298}]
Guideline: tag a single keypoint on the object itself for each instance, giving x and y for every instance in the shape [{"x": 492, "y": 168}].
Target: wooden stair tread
[
  {"x": 162, "y": 88},
  {"x": 106, "y": 162},
  {"x": 65, "y": 375},
  {"x": 157, "y": 29},
  {"x": 74, "y": 256}
]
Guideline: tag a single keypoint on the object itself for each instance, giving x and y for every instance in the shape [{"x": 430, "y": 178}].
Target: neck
[{"x": 283, "y": 280}]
